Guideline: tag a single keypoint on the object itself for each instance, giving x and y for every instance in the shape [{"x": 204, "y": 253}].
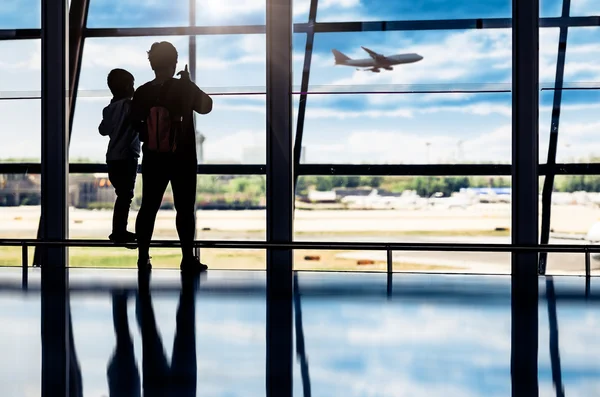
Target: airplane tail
[{"x": 339, "y": 57}]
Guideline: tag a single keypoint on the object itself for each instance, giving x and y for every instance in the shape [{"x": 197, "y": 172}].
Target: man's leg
[
  {"x": 155, "y": 179},
  {"x": 184, "y": 365},
  {"x": 183, "y": 182},
  {"x": 156, "y": 379}
]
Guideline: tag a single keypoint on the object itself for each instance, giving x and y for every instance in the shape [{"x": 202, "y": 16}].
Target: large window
[{"x": 439, "y": 125}]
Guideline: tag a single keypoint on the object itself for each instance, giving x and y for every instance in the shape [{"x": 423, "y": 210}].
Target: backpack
[{"x": 163, "y": 125}]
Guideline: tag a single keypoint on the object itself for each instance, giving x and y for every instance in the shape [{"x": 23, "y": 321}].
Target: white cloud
[
  {"x": 585, "y": 7},
  {"x": 302, "y": 7},
  {"x": 215, "y": 10},
  {"x": 231, "y": 146}
]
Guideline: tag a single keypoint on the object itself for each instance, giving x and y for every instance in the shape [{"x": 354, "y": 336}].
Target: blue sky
[{"x": 339, "y": 128}]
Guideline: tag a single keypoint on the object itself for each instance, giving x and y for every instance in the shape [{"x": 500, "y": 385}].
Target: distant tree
[
  {"x": 324, "y": 184},
  {"x": 353, "y": 181}
]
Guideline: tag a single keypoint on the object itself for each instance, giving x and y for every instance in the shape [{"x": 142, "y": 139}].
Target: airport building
[{"x": 442, "y": 228}]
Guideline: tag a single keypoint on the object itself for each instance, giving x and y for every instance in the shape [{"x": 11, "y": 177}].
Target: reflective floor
[{"x": 424, "y": 335}]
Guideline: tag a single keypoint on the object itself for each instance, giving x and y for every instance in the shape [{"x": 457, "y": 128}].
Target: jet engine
[{"x": 388, "y": 68}]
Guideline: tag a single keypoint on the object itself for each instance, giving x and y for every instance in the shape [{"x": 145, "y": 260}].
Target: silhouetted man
[{"x": 163, "y": 114}]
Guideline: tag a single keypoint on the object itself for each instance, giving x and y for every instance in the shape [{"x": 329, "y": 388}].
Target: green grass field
[
  {"x": 241, "y": 259},
  {"x": 216, "y": 259}
]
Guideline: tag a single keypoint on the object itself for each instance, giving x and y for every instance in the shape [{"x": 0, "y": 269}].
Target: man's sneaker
[
  {"x": 123, "y": 238},
  {"x": 192, "y": 265},
  {"x": 144, "y": 265}
]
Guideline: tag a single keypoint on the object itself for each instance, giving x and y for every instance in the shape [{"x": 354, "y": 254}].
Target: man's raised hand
[{"x": 184, "y": 74}]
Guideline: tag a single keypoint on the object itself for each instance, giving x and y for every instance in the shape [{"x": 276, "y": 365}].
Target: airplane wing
[{"x": 373, "y": 54}]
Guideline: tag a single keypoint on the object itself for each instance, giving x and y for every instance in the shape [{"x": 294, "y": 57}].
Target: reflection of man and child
[
  {"x": 160, "y": 378},
  {"x": 159, "y": 114}
]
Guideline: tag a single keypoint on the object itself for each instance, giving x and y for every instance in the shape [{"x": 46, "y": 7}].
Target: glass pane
[
  {"x": 582, "y": 61},
  {"x": 20, "y": 196},
  {"x": 20, "y": 66},
  {"x": 437, "y": 209},
  {"x": 485, "y": 58},
  {"x": 20, "y": 121},
  {"x": 551, "y": 8},
  {"x": 235, "y": 130},
  {"x": 575, "y": 219},
  {"x": 20, "y": 14},
  {"x": 548, "y": 56},
  {"x": 584, "y": 8},
  {"x": 20, "y": 116},
  {"x": 578, "y": 129},
  {"x": 121, "y": 14},
  {"x": 377, "y": 10},
  {"x": 230, "y": 12},
  {"x": 229, "y": 207},
  {"x": 232, "y": 62},
  {"x": 299, "y": 49},
  {"x": 407, "y": 129}
]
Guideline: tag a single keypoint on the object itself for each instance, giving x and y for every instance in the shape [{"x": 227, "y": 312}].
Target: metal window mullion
[
  {"x": 280, "y": 195},
  {"x": 192, "y": 69},
  {"x": 310, "y": 39},
  {"x": 553, "y": 143},
  {"x": 78, "y": 14},
  {"x": 524, "y": 282},
  {"x": 54, "y": 305}
]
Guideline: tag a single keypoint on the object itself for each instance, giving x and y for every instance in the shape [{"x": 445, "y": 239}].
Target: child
[{"x": 123, "y": 150}]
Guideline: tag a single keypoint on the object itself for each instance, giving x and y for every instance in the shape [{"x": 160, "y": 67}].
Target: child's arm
[
  {"x": 136, "y": 116},
  {"x": 104, "y": 128}
]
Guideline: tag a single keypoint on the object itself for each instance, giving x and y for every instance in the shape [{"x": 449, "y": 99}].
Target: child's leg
[{"x": 122, "y": 175}]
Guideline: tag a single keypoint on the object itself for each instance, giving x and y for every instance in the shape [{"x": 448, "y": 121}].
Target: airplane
[{"x": 376, "y": 62}]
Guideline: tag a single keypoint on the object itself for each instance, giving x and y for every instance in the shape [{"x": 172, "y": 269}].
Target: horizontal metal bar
[
  {"x": 320, "y": 27},
  {"x": 320, "y": 245},
  {"x": 339, "y": 169},
  {"x": 93, "y": 168},
  {"x": 174, "y": 31},
  {"x": 440, "y": 169},
  {"x": 570, "y": 169},
  {"x": 202, "y": 169},
  {"x": 404, "y": 169},
  {"x": 20, "y": 34},
  {"x": 440, "y": 24},
  {"x": 362, "y": 89}
]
